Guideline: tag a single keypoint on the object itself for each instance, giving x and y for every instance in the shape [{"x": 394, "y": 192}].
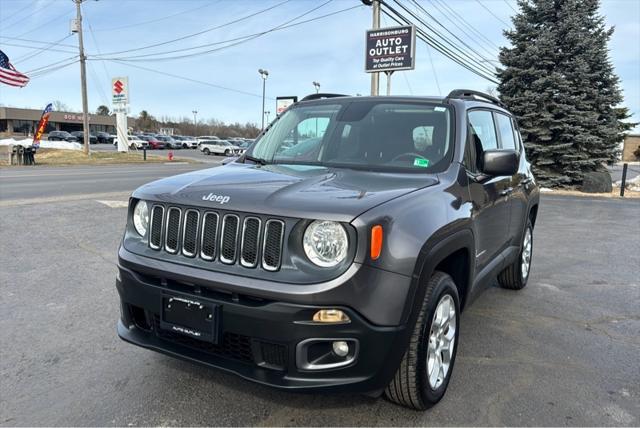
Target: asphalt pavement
[{"x": 563, "y": 351}]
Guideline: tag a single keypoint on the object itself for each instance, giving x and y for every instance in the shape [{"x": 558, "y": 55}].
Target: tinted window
[
  {"x": 361, "y": 134},
  {"x": 506, "y": 131},
  {"x": 483, "y": 130}
]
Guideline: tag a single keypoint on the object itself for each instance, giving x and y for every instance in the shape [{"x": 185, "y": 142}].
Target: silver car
[{"x": 219, "y": 147}]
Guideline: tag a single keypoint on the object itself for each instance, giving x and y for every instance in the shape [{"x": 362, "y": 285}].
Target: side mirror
[{"x": 500, "y": 162}]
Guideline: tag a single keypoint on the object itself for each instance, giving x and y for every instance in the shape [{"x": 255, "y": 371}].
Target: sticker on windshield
[
  {"x": 439, "y": 109},
  {"x": 422, "y": 163}
]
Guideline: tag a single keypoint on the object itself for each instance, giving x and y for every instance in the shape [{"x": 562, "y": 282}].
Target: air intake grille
[
  {"x": 250, "y": 238},
  {"x": 229, "y": 243},
  {"x": 190, "y": 233},
  {"x": 228, "y": 238},
  {"x": 173, "y": 230},
  {"x": 155, "y": 229},
  {"x": 272, "y": 251}
]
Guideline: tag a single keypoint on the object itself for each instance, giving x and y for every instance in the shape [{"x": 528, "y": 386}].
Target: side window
[
  {"x": 506, "y": 131},
  {"x": 482, "y": 130}
]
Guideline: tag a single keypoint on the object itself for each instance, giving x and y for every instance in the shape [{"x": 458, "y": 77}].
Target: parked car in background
[
  {"x": 207, "y": 137},
  {"x": 154, "y": 143},
  {"x": 104, "y": 137},
  {"x": 61, "y": 136},
  {"x": 80, "y": 136},
  {"x": 134, "y": 142},
  {"x": 219, "y": 147},
  {"x": 187, "y": 142},
  {"x": 169, "y": 142}
]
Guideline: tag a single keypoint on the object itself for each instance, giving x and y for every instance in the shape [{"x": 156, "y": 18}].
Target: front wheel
[
  {"x": 423, "y": 375},
  {"x": 516, "y": 275},
  {"x": 227, "y": 152},
  {"x": 206, "y": 151}
]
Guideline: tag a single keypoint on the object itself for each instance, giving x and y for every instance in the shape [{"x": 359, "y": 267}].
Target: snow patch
[{"x": 45, "y": 144}]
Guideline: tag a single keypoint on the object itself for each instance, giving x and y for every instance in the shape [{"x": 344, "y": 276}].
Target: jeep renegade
[{"x": 337, "y": 253}]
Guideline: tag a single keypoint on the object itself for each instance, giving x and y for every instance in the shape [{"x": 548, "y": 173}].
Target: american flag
[{"x": 8, "y": 73}]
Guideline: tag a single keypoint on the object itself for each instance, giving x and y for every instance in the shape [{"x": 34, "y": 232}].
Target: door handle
[{"x": 507, "y": 191}]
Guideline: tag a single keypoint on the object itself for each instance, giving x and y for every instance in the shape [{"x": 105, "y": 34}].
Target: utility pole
[
  {"x": 375, "y": 77},
  {"x": 83, "y": 78},
  {"x": 195, "y": 122},
  {"x": 264, "y": 74},
  {"x": 317, "y": 86}
]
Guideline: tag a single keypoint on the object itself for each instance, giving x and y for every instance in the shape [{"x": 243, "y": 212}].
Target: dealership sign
[
  {"x": 120, "y": 90},
  {"x": 283, "y": 103},
  {"x": 390, "y": 49}
]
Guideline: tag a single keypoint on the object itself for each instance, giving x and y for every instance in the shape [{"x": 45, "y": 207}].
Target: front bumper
[{"x": 259, "y": 338}]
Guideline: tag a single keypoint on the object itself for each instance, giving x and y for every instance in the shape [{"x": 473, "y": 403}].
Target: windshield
[{"x": 361, "y": 134}]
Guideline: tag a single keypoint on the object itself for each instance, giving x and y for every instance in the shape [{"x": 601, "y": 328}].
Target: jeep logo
[{"x": 221, "y": 199}]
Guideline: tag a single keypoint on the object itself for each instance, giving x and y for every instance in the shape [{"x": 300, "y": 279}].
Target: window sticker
[
  {"x": 439, "y": 109},
  {"x": 422, "y": 163}
]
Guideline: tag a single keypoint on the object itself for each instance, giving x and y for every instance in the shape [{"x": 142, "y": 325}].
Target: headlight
[
  {"x": 141, "y": 217},
  {"x": 325, "y": 243}
]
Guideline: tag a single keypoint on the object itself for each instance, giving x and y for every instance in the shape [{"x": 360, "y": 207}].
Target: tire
[
  {"x": 227, "y": 152},
  {"x": 206, "y": 151},
  {"x": 132, "y": 146},
  {"x": 184, "y": 146},
  {"x": 411, "y": 386},
  {"x": 514, "y": 277}
]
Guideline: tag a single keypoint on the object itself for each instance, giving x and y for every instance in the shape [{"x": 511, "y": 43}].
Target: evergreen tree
[{"x": 561, "y": 85}]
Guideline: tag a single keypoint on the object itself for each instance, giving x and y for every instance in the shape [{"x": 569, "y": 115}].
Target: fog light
[
  {"x": 341, "y": 348},
  {"x": 330, "y": 316}
]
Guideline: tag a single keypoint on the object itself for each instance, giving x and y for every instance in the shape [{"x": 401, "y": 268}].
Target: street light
[
  {"x": 267, "y": 113},
  {"x": 264, "y": 74},
  {"x": 317, "y": 86},
  {"x": 195, "y": 122}
]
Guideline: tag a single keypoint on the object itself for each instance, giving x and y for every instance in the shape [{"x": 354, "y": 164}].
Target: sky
[{"x": 225, "y": 84}]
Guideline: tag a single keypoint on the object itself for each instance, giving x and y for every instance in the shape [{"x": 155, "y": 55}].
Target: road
[{"x": 563, "y": 351}]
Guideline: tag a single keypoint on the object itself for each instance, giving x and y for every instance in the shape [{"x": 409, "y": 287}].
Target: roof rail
[
  {"x": 320, "y": 96},
  {"x": 462, "y": 94}
]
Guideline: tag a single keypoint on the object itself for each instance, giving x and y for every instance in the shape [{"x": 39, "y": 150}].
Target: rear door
[{"x": 490, "y": 195}]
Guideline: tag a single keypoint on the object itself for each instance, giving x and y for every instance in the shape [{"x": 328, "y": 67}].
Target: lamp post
[
  {"x": 264, "y": 74},
  {"x": 195, "y": 122},
  {"x": 317, "y": 86},
  {"x": 267, "y": 113}
]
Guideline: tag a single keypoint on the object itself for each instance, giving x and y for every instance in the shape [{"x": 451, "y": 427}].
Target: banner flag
[{"x": 42, "y": 125}]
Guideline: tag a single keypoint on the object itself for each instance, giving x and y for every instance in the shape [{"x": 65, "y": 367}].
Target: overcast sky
[{"x": 329, "y": 50}]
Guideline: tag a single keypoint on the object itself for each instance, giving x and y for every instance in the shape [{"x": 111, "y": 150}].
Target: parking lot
[
  {"x": 194, "y": 154},
  {"x": 563, "y": 351}
]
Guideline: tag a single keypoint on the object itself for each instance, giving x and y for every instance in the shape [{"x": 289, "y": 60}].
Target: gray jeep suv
[{"x": 337, "y": 253}]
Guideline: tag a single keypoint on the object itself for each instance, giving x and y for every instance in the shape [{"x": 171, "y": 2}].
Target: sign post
[
  {"x": 390, "y": 49},
  {"x": 120, "y": 101}
]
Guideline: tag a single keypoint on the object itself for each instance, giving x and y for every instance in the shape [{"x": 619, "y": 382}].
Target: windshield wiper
[{"x": 259, "y": 161}]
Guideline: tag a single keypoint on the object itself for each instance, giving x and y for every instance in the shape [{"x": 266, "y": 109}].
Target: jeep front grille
[{"x": 212, "y": 236}]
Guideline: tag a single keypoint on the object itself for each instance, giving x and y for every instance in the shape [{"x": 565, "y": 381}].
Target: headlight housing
[
  {"x": 325, "y": 243},
  {"x": 141, "y": 217}
]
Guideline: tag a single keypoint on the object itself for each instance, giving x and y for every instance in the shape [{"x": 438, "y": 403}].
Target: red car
[{"x": 154, "y": 143}]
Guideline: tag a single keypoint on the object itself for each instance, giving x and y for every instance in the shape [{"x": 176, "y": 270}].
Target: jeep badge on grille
[{"x": 221, "y": 199}]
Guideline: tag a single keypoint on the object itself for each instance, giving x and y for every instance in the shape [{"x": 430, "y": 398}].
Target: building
[{"x": 20, "y": 121}]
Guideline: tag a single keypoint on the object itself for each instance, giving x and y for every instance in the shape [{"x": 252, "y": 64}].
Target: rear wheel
[
  {"x": 132, "y": 146},
  {"x": 206, "y": 151},
  {"x": 516, "y": 275},
  {"x": 423, "y": 375}
]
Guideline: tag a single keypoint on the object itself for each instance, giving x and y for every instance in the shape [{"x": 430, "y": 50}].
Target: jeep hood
[{"x": 285, "y": 190}]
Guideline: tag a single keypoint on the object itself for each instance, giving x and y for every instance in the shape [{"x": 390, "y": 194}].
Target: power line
[
  {"x": 200, "y": 32},
  {"x": 151, "y": 21},
  {"x": 5, "y": 27},
  {"x": 188, "y": 79},
  {"x": 41, "y": 42},
  {"x": 38, "y": 69},
  {"x": 448, "y": 30},
  {"x": 461, "y": 19},
  {"x": 509, "y": 4},
  {"x": 477, "y": 60},
  {"x": 34, "y": 47},
  {"x": 237, "y": 41},
  {"x": 436, "y": 44},
  {"x": 45, "y": 23},
  {"x": 26, "y": 57},
  {"x": 493, "y": 14}
]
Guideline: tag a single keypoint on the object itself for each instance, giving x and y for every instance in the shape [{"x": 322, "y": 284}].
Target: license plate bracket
[{"x": 191, "y": 317}]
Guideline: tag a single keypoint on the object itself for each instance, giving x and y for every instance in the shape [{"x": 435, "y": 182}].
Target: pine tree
[{"x": 561, "y": 85}]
